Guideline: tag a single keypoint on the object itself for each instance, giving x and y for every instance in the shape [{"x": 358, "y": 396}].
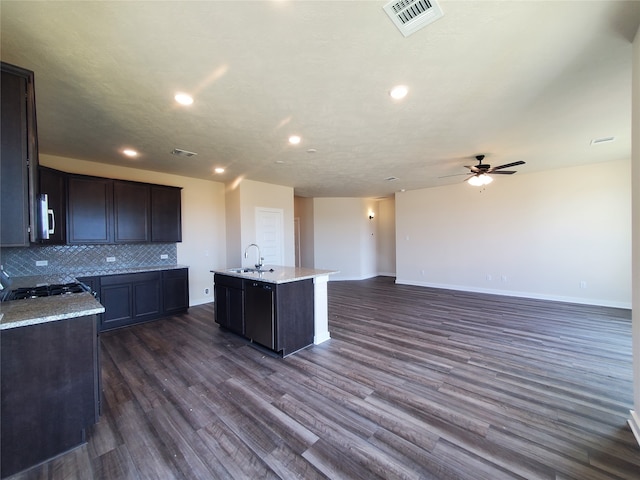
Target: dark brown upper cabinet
[
  {"x": 102, "y": 210},
  {"x": 132, "y": 213},
  {"x": 18, "y": 158},
  {"x": 90, "y": 209},
  {"x": 166, "y": 214}
]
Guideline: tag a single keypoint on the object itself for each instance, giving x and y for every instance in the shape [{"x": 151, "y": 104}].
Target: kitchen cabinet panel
[
  {"x": 175, "y": 290},
  {"x": 90, "y": 210},
  {"x": 50, "y": 389},
  {"x": 229, "y": 303},
  {"x": 131, "y": 209},
  {"x": 134, "y": 298},
  {"x": 102, "y": 210},
  {"x": 166, "y": 214},
  {"x": 18, "y": 157}
]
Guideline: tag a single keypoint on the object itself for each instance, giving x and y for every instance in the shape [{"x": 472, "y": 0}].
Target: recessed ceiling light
[
  {"x": 399, "y": 92},
  {"x": 129, "y": 152},
  {"x": 184, "y": 98},
  {"x": 219, "y": 170},
  {"x": 312, "y": 150},
  {"x": 294, "y": 139}
]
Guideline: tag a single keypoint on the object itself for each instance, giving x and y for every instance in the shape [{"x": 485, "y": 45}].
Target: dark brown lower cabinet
[
  {"x": 133, "y": 298},
  {"x": 229, "y": 303},
  {"x": 50, "y": 380},
  {"x": 175, "y": 290},
  {"x": 278, "y": 316}
]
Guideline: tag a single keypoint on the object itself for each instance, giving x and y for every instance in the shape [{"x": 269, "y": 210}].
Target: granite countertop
[
  {"x": 37, "y": 280},
  {"x": 279, "y": 274},
  {"x": 32, "y": 311}
]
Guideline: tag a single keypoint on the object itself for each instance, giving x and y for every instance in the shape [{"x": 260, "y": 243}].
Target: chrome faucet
[{"x": 260, "y": 258}]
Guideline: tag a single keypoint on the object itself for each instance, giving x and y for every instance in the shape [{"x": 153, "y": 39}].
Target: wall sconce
[{"x": 371, "y": 215}]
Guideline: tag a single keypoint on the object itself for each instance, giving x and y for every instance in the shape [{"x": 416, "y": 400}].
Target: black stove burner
[{"x": 47, "y": 291}]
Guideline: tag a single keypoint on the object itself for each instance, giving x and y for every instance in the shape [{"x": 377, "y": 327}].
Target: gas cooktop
[{"x": 47, "y": 291}]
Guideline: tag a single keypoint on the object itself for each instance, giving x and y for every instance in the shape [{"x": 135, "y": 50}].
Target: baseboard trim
[
  {"x": 634, "y": 423},
  {"x": 510, "y": 293}
]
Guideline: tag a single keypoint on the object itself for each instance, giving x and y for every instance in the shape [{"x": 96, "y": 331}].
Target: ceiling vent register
[
  {"x": 182, "y": 153},
  {"x": 411, "y": 15}
]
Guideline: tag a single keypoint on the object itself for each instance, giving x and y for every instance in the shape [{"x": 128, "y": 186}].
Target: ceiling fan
[{"x": 480, "y": 173}]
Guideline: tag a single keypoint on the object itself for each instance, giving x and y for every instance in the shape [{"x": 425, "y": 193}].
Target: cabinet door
[
  {"x": 229, "y": 303},
  {"x": 221, "y": 305},
  {"x": 90, "y": 218},
  {"x": 49, "y": 389},
  {"x": 175, "y": 290},
  {"x": 54, "y": 184},
  {"x": 18, "y": 158},
  {"x": 116, "y": 295},
  {"x": 147, "y": 301},
  {"x": 166, "y": 214},
  {"x": 131, "y": 212}
]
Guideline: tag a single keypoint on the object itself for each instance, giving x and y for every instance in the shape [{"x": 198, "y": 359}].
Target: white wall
[
  {"x": 635, "y": 155},
  {"x": 535, "y": 235},
  {"x": 203, "y": 244},
  {"x": 386, "y": 236},
  {"x": 233, "y": 215},
  {"x": 244, "y": 197},
  {"x": 344, "y": 237},
  {"x": 304, "y": 211}
]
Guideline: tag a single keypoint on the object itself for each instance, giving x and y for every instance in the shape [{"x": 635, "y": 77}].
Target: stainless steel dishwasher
[{"x": 259, "y": 313}]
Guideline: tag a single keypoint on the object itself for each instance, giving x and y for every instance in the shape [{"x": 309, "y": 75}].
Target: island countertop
[
  {"x": 276, "y": 273},
  {"x": 20, "y": 313}
]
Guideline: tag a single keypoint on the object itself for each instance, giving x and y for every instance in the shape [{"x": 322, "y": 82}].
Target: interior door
[{"x": 270, "y": 234}]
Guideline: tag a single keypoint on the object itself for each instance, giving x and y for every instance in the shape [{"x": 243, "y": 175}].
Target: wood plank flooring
[{"x": 415, "y": 383}]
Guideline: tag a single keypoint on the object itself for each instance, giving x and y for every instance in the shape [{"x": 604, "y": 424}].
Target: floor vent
[
  {"x": 411, "y": 15},
  {"x": 182, "y": 153}
]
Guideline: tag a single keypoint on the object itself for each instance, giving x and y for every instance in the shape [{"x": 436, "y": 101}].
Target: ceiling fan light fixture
[{"x": 480, "y": 180}]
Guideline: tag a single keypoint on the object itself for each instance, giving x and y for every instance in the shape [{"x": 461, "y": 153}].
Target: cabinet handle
[{"x": 52, "y": 223}]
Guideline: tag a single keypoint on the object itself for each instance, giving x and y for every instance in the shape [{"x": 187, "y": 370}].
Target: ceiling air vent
[
  {"x": 182, "y": 153},
  {"x": 411, "y": 15}
]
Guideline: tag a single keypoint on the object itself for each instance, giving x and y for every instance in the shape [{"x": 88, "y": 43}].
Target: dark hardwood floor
[{"x": 415, "y": 383}]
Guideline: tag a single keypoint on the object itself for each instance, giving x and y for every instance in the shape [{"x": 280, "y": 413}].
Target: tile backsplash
[{"x": 85, "y": 259}]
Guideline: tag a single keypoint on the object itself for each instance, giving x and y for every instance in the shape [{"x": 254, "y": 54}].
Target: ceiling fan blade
[
  {"x": 455, "y": 175},
  {"x": 503, "y": 172},
  {"x": 507, "y": 165}
]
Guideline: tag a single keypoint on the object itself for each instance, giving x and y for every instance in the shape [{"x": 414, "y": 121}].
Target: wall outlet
[
  {"x": 503, "y": 278},
  {"x": 207, "y": 291},
  {"x": 164, "y": 256},
  {"x": 111, "y": 259},
  {"x": 42, "y": 263},
  {"x": 489, "y": 277},
  {"x": 583, "y": 284}
]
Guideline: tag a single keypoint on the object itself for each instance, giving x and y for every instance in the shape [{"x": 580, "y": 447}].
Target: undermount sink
[{"x": 248, "y": 270}]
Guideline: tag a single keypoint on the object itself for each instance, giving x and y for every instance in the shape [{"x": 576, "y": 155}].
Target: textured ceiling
[{"x": 514, "y": 80}]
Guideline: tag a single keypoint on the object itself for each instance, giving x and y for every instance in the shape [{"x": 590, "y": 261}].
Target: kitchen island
[{"x": 281, "y": 308}]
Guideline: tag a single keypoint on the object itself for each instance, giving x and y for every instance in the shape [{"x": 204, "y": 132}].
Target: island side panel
[
  {"x": 321, "y": 309},
  {"x": 294, "y": 316}
]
